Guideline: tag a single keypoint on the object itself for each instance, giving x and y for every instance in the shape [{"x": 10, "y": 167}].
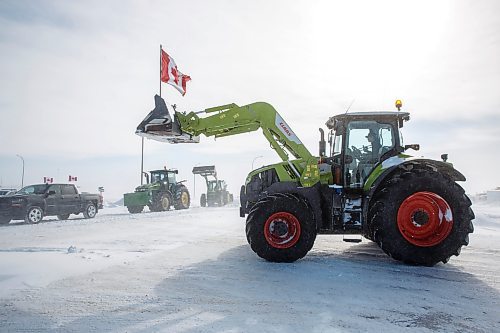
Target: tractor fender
[
  {"x": 388, "y": 166},
  {"x": 403, "y": 162},
  {"x": 311, "y": 194}
]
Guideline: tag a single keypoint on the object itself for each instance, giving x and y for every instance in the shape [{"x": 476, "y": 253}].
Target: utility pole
[{"x": 22, "y": 179}]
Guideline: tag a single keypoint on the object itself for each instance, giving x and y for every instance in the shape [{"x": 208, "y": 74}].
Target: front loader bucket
[
  {"x": 207, "y": 170},
  {"x": 159, "y": 125}
]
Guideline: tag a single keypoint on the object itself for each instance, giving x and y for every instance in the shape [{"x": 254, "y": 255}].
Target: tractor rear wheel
[
  {"x": 182, "y": 198},
  {"x": 420, "y": 217},
  {"x": 281, "y": 228}
]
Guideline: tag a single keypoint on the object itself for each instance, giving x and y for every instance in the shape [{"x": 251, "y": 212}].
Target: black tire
[
  {"x": 34, "y": 215},
  {"x": 203, "y": 200},
  {"x": 4, "y": 220},
  {"x": 282, "y": 207},
  {"x": 161, "y": 202},
  {"x": 165, "y": 202},
  {"x": 63, "y": 216},
  {"x": 182, "y": 198},
  {"x": 90, "y": 210},
  {"x": 394, "y": 234},
  {"x": 135, "y": 209}
]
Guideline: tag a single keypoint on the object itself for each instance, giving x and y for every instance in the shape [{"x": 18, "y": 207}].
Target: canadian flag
[
  {"x": 48, "y": 180},
  {"x": 171, "y": 75},
  {"x": 72, "y": 178}
]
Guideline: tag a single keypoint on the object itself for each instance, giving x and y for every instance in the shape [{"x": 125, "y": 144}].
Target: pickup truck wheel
[
  {"x": 90, "y": 211},
  {"x": 34, "y": 215},
  {"x": 4, "y": 220},
  {"x": 63, "y": 216}
]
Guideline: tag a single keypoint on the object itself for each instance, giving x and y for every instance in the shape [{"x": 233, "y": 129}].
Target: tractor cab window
[
  {"x": 366, "y": 142},
  {"x": 171, "y": 178},
  {"x": 337, "y": 145},
  {"x": 212, "y": 186},
  {"x": 156, "y": 177}
]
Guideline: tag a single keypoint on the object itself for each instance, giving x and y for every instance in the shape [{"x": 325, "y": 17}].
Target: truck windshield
[{"x": 33, "y": 189}]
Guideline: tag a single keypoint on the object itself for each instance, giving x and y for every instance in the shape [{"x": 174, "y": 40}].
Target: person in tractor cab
[{"x": 374, "y": 140}]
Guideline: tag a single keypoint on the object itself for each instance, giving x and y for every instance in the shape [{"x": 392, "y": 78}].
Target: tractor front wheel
[
  {"x": 420, "y": 217},
  {"x": 135, "y": 209},
  {"x": 281, "y": 228},
  {"x": 203, "y": 200},
  {"x": 165, "y": 202},
  {"x": 161, "y": 202}
]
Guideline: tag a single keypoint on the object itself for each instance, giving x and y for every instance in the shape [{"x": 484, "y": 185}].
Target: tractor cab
[
  {"x": 216, "y": 185},
  {"x": 160, "y": 179},
  {"x": 163, "y": 176},
  {"x": 361, "y": 140}
]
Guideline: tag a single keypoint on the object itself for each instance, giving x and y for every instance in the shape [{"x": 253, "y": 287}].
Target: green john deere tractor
[
  {"x": 160, "y": 192},
  {"x": 217, "y": 193},
  {"x": 364, "y": 184}
]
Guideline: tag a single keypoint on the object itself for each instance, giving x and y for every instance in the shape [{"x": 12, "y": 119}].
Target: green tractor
[
  {"x": 217, "y": 193},
  {"x": 364, "y": 184},
  {"x": 160, "y": 192}
]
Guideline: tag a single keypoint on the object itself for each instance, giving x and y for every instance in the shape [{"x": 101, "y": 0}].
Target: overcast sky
[{"x": 76, "y": 78}]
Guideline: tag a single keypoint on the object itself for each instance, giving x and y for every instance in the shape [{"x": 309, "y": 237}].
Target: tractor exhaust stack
[{"x": 160, "y": 126}]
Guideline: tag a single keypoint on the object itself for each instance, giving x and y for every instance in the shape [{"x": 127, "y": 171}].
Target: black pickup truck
[{"x": 33, "y": 202}]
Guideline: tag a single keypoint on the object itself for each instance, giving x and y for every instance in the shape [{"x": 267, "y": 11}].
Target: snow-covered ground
[{"x": 192, "y": 271}]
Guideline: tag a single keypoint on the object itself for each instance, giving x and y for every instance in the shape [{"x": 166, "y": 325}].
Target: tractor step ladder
[{"x": 352, "y": 240}]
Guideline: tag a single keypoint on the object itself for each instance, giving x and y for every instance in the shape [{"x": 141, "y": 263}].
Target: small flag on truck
[
  {"x": 72, "y": 178},
  {"x": 171, "y": 75},
  {"x": 48, "y": 180}
]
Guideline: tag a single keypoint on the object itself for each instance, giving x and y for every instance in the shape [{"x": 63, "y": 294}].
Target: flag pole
[
  {"x": 142, "y": 160},
  {"x": 160, "y": 69}
]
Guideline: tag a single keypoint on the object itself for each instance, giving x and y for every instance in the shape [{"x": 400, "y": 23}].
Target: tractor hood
[
  {"x": 146, "y": 187},
  {"x": 159, "y": 125}
]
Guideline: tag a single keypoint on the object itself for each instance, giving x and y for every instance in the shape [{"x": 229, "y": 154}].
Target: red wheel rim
[
  {"x": 282, "y": 230},
  {"x": 425, "y": 219}
]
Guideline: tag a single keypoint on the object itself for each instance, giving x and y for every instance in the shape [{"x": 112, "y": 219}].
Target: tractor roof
[
  {"x": 373, "y": 115},
  {"x": 163, "y": 170}
]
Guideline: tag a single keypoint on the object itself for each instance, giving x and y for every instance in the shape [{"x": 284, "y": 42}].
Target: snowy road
[{"x": 192, "y": 271}]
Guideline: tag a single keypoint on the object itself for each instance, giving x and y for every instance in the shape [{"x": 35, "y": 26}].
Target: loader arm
[{"x": 222, "y": 121}]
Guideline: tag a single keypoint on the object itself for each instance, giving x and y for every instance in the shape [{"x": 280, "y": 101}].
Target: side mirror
[
  {"x": 348, "y": 159},
  {"x": 414, "y": 146},
  {"x": 52, "y": 192}
]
